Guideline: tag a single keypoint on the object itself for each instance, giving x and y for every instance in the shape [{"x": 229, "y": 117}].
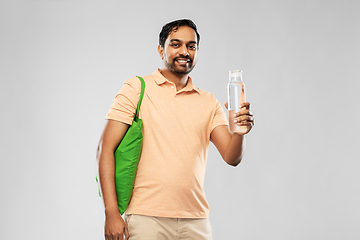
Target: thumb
[
  {"x": 126, "y": 233},
  {"x": 226, "y": 105}
]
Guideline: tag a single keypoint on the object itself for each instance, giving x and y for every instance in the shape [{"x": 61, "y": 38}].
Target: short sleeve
[
  {"x": 219, "y": 117},
  {"x": 124, "y": 105}
]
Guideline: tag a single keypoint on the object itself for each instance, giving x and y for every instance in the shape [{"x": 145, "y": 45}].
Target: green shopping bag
[{"x": 127, "y": 156}]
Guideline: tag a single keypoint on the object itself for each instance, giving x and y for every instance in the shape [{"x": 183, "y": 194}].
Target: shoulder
[{"x": 135, "y": 82}]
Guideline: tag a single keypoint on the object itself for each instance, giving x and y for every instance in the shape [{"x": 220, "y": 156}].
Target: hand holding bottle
[{"x": 242, "y": 118}]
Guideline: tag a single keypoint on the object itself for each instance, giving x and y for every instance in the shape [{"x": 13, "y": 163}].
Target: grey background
[{"x": 62, "y": 62}]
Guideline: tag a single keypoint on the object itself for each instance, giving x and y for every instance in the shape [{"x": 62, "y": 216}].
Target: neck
[{"x": 180, "y": 80}]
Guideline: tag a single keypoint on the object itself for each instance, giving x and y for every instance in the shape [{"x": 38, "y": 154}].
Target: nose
[{"x": 184, "y": 51}]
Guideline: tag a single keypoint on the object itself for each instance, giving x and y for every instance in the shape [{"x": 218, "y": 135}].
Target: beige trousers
[{"x": 156, "y": 228}]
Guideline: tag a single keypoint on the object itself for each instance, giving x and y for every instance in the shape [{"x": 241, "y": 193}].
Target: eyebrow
[{"x": 178, "y": 40}]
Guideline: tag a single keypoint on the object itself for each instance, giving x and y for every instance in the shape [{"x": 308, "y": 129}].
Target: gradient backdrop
[{"x": 62, "y": 62}]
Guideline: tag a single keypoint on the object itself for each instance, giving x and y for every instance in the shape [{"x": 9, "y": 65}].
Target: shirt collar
[{"x": 160, "y": 79}]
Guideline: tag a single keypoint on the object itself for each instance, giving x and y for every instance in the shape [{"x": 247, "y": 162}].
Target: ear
[{"x": 161, "y": 51}]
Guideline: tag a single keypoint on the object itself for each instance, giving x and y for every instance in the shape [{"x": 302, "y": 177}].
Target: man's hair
[{"x": 174, "y": 25}]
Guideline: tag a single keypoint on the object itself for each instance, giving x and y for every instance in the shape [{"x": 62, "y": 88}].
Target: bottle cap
[{"x": 235, "y": 76}]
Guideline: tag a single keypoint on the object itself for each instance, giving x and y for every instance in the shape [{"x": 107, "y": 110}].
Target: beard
[{"x": 179, "y": 69}]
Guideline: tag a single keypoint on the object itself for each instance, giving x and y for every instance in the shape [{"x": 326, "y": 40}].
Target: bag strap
[{"x": 141, "y": 97}]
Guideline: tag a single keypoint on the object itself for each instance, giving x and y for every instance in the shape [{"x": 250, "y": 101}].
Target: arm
[
  {"x": 113, "y": 133},
  {"x": 232, "y": 146}
]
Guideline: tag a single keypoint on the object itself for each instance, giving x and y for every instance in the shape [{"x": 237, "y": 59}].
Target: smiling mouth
[{"x": 183, "y": 61}]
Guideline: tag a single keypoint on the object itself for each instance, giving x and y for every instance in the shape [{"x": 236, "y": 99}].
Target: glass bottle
[{"x": 236, "y": 96}]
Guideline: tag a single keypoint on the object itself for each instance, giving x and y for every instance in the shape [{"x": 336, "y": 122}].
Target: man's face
[{"x": 180, "y": 50}]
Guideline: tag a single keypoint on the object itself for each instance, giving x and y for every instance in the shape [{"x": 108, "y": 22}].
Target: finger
[
  {"x": 245, "y": 105},
  {"x": 126, "y": 233},
  {"x": 245, "y": 118},
  {"x": 243, "y": 112},
  {"x": 245, "y": 123},
  {"x": 226, "y": 105},
  {"x": 114, "y": 236}
]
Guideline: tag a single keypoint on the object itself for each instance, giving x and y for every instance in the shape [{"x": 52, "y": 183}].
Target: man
[{"x": 179, "y": 120}]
